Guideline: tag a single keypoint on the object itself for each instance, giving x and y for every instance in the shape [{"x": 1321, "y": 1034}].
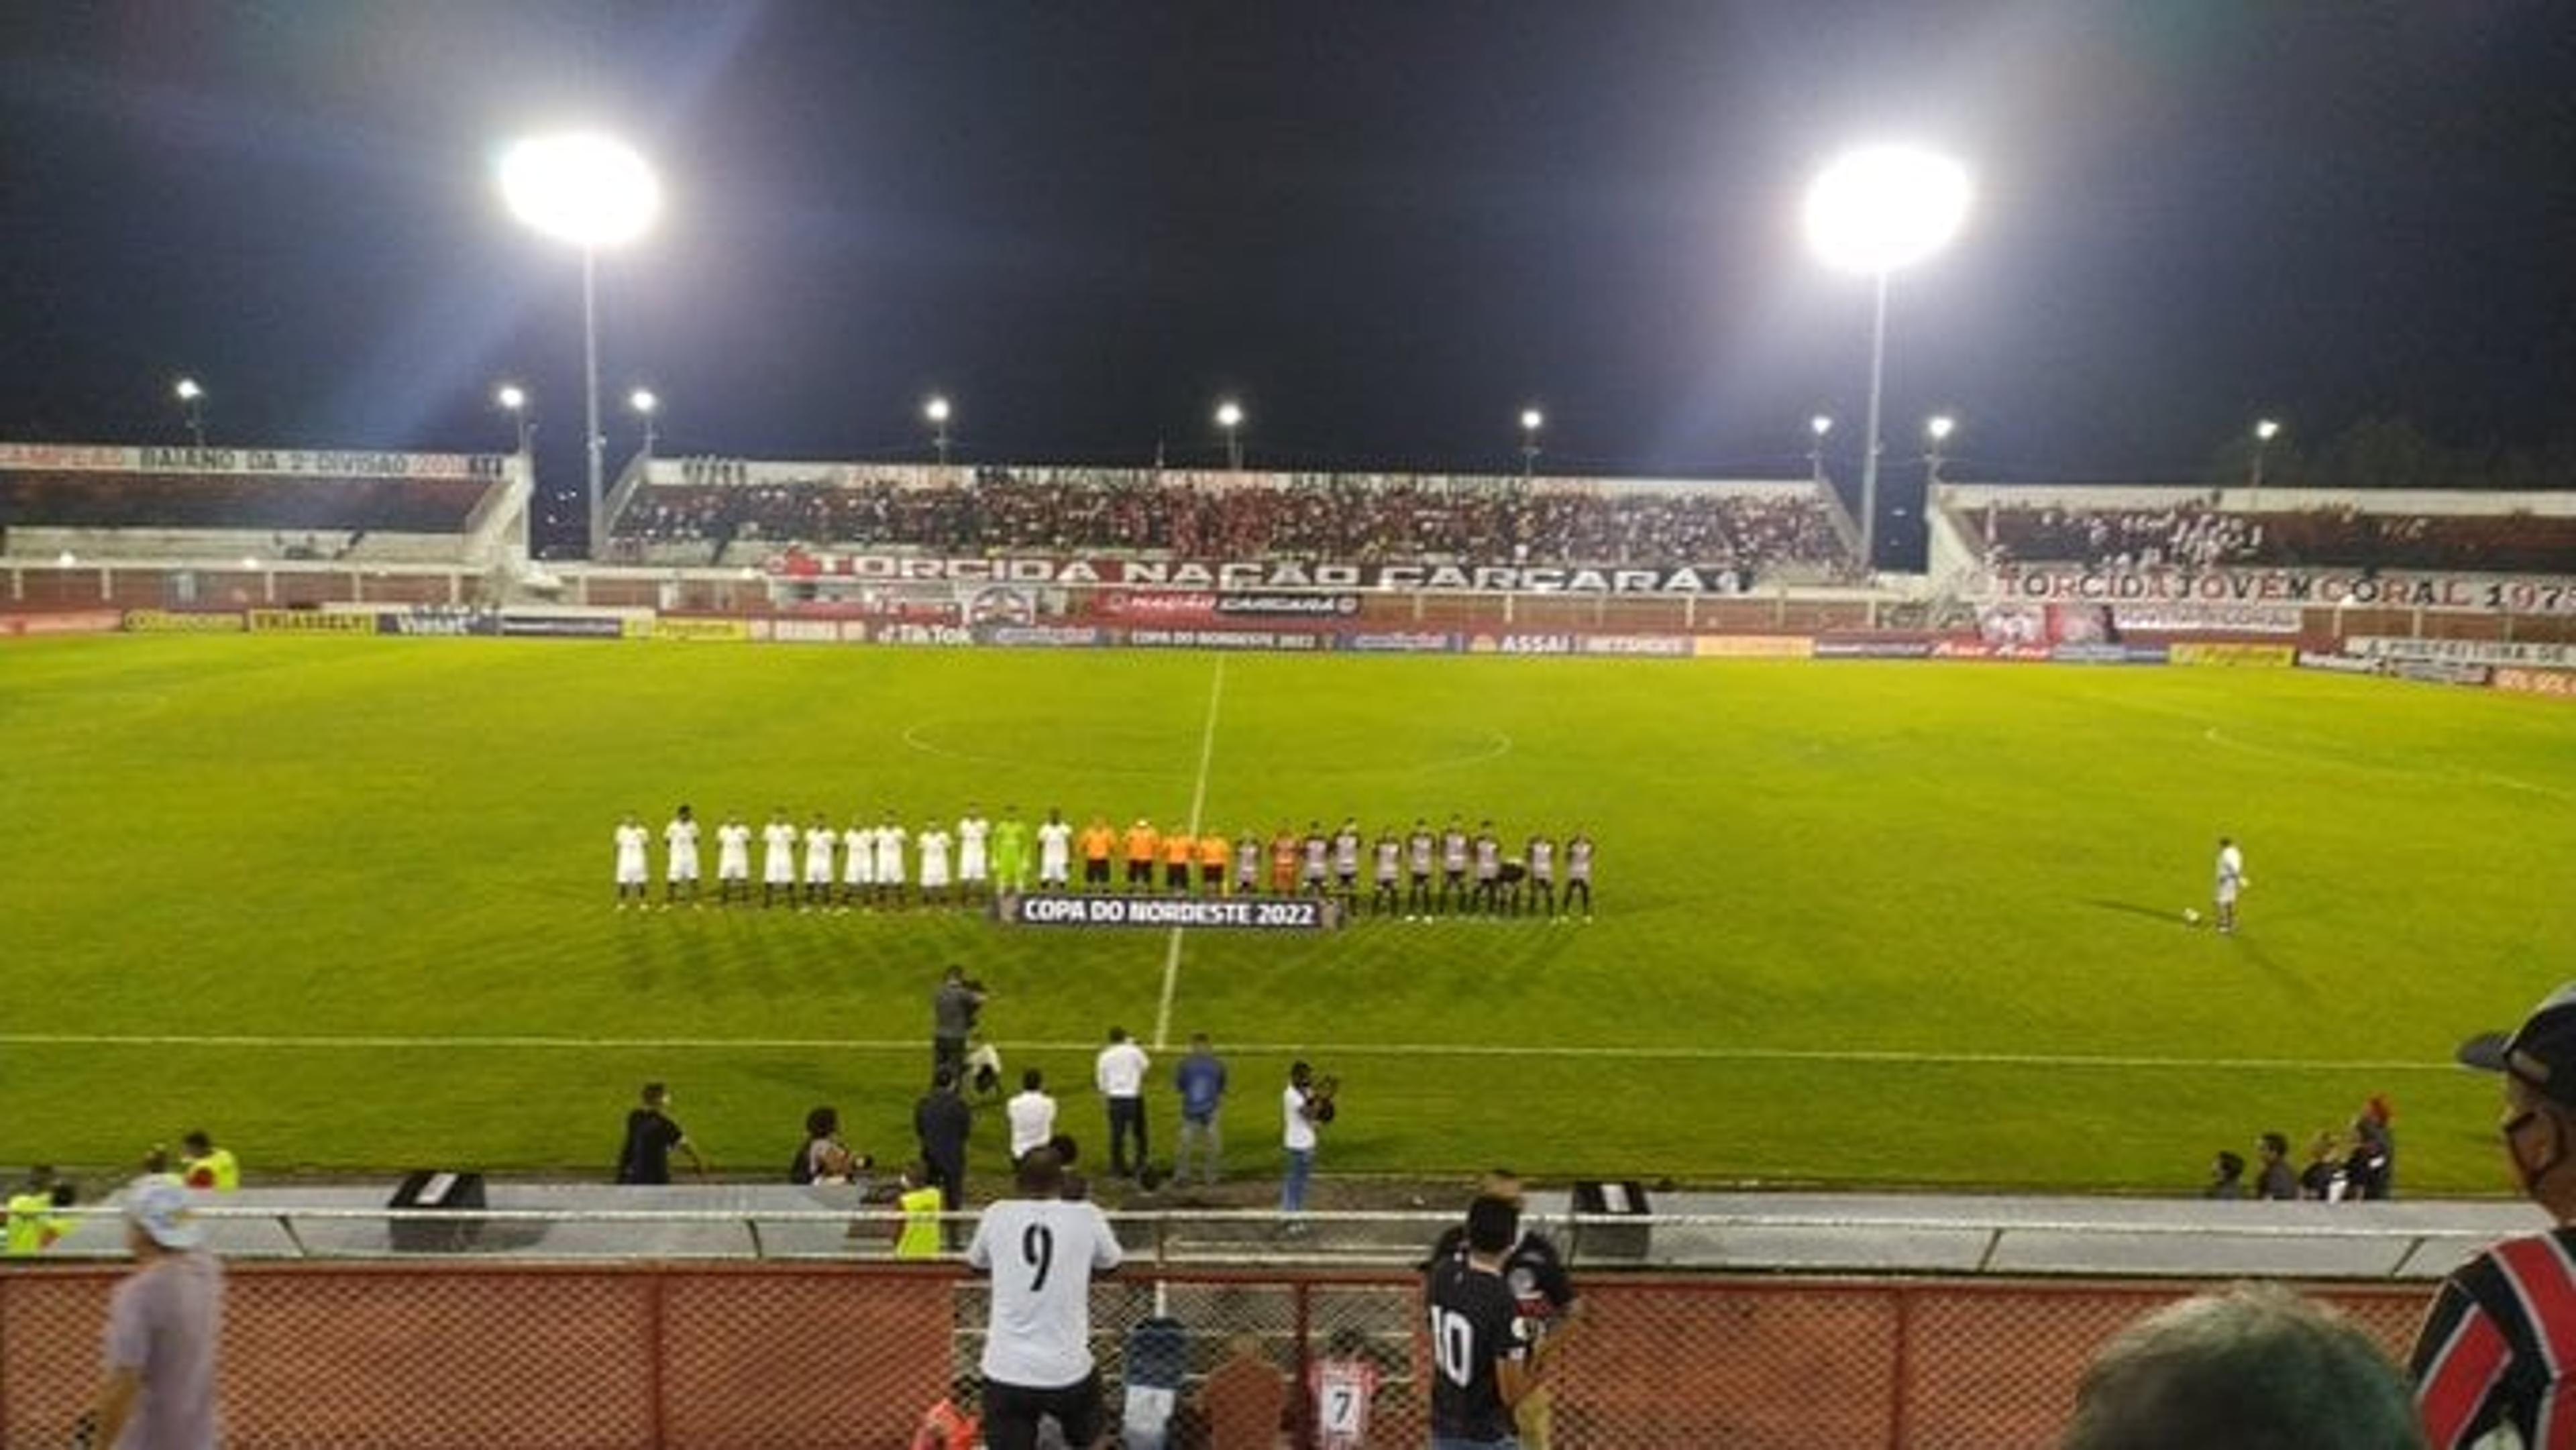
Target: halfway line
[{"x": 1198, "y": 801}]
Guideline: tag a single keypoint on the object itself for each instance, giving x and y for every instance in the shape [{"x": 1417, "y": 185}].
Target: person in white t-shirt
[
  {"x": 932, "y": 846},
  {"x": 1055, "y": 853},
  {"x": 733, "y": 860},
  {"x": 680, "y": 865},
  {"x": 1300, "y": 1109},
  {"x": 890, "y": 840},
  {"x": 1041, "y": 1252},
  {"x": 974, "y": 869},
  {"x": 632, "y": 872},
  {"x": 820, "y": 840},
  {"x": 2231, "y": 882},
  {"x": 858, "y": 863},
  {"x": 1119, "y": 1073},
  {"x": 1031, "y": 1113},
  {"x": 778, "y": 859}
]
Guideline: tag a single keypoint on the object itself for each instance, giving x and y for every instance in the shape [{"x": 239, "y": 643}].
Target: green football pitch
[{"x": 347, "y": 903}]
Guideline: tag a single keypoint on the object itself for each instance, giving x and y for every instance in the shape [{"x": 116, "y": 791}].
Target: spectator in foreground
[
  {"x": 162, "y": 1328},
  {"x": 942, "y": 1121},
  {"x": 1032, "y": 1114},
  {"x": 36, "y": 1222},
  {"x": 2226, "y": 1176},
  {"x": 2255, "y": 1368},
  {"x": 2494, "y": 1350},
  {"x": 950, "y": 1424},
  {"x": 1244, "y": 1399},
  {"x": 825, "y": 1158},
  {"x": 1041, "y": 1252},
  {"x": 651, "y": 1135}
]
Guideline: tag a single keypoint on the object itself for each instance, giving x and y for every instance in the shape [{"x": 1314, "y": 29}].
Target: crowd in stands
[
  {"x": 2200, "y": 536},
  {"x": 1342, "y": 521}
]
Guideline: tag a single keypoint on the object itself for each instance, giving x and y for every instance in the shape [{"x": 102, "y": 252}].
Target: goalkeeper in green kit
[{"x": 1011, "y": 853}]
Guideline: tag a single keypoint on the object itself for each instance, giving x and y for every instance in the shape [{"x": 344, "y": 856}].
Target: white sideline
[
  {"x": 1198, "y": 802},
  {"x": 340, "y": 1042}
]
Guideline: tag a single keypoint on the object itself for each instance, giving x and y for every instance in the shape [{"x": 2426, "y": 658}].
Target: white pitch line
[
  {"x": 1198, "y": 802},
  {"x": 324, "y": 1042}
]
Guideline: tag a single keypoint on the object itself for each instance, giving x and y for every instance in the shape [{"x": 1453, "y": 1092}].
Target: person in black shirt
[
  {"x": 942, "y": 1121},
  {"x": 1534, "y": 1271},
  {"x": 645, "y": 1157},
  {"x": 1479, "y": 1341}
]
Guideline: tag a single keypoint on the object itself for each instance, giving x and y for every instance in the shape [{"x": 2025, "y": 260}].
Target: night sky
[{"x": 1387, "y": 225}]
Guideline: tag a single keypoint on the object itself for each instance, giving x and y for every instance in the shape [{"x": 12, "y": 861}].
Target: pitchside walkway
[{"x": 1803, "y": 1232}]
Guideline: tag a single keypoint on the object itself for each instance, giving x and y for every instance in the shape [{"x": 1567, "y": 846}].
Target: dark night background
[{"x": 1387, "y": 225}]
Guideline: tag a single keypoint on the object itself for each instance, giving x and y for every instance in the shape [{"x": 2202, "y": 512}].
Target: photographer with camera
[
  {"x": 1305, "y": 1105},
  {"x": 953, "y": 1010}
]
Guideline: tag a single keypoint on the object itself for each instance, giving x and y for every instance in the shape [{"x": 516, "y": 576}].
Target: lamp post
[
  {"x": 645, "y": 406},
  {"x": 192, "y": 399},
  {"x": 1817, "y": 427},
  {"x": 1531, "y": 421},
  {"x": 1871, "y": 212},
  {"x": 2265, "y": 430},
  {"x": 514, "y": 401},
  {"x": 1936, "y": 431},
  {"x": 936, "y": 411},
  {"x": 1229, "y": 416},
  {"x": 592, "y": 191}
]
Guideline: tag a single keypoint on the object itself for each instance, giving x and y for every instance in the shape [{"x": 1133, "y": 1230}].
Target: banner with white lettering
[
  {"x": 1227, "y": 913},
  {"x": 2322, "y": 588},
  {"x": 1253, "y": 577},
  {"x": 313, "y": 463}
]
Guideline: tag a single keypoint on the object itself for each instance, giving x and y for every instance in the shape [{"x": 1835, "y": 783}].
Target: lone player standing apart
[
  {"x": 1042, "y": 1252},
  {"x": 1478, "y": 1338},
  {"x": 2231, "y": 881}
]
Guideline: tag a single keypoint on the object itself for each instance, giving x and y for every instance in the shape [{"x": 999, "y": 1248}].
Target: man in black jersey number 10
[{"x": 1486, "y": 1362}]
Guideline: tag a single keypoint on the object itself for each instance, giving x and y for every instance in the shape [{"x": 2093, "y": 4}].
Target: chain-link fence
[{"x": 749, "y": 1356}]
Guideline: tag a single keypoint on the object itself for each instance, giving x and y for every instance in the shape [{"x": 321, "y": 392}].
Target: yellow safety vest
[
  {"x": 920, "y": 1236},
  {"x": 218, "y": 1171},
  {"x": 33, "y": 1224}
]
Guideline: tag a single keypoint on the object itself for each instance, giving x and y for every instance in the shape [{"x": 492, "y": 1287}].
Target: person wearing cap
[
  {"x": 2495, "y": 1349},
  {"x": 163, "y": 1324}
]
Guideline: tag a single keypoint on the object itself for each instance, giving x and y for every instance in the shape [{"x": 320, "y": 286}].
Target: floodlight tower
[
  {"x": 1874, "y": 211},
  {"x": 1531, "y": 421},
  {"x": 645, "y": 406},
  {"x": 1936, "y": 432},
  {"x": 1229, "y": 417},
  {"x": 936, "y": 412},
  {"x": 592, "y": 191},
  {"x": 513, "y": 400},
  {"x": 1818, "y": 426},
  {"x": 192, "y": 399},
  {"x": 2265, "y": 430}
]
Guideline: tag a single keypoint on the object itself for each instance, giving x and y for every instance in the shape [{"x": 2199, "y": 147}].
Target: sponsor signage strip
[
  {"x": 166, "y": 621},
  {"x": 2521, "y": 681},
  {"x": 2256, "y": 656},
  {"x": 309, "y": 621},
  {"x": 2543, "y": 653},
  {"x": 62, "y": 621},
  {"x": 1226, "y": 913}
]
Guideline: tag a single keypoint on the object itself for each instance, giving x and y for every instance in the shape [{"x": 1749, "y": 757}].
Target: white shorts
[
  {"x": 970, "y": 866},
  {"x": 630, "y": 873},
  {"x": 934, "y": 879},
  {"x": 734, "y": 868},
  {"x": 778, "y": 871},
  {"x": 818, "y": 872},
  {"x": 685, "y": 868},
  {"x": 2227, "y": 893}
]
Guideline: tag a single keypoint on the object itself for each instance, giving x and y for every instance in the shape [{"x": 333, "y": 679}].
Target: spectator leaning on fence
[
  {"x": 2256, "y": 1368},
  {"x": 651, "y": 1136},
  {"x": 1042, "y": 1253},
  {"x": 2496, "y": 1348}
]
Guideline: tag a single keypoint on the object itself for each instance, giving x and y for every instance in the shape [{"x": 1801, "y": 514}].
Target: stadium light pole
[
  {"x": 192, "y": 399},
  {"x": 1936, "y": 432},
  {"x": 1818, "y": 426},
  {"x": 1229, "y": 416},
  {"x": 937, "y": 412},
  {"x": 2265, "y": 430},
  {"x": 514, "y": 401},
  {"x": 645, "y": 406},
  {"x": 592, "y": 191},
  {"x": 1531, "y": 421},
  {"x": 1873, "y": 211}
]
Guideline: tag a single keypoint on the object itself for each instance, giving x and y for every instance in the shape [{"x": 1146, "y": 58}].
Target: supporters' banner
[
  {"x": 96, "y": 458},
  {"x": 67, "y": 621},
  {"x": 726, "y": 631},
  {"x": 1256, "y": 577},
  {"x": 1753, "y": 646},
  {"x": 1401, "y": 642},
  {"x": 2560, "y": 683},
  {"x": 1233, "y": 913},
  {"x": 997, "y": 604},
  {"x": 1288, "y": 641},
  {"x": 309, "y": 621},
  {"x": 442, "y": 620},
  {"x": 2325, "y": 587},
  {"x": 2184, "y": 618},
  {"x": 2042, "y": 624},
  {"x": 2466, "y": 651},
  {"x": 2239, "y": 656},
  {"x": 164, "y": 621}
]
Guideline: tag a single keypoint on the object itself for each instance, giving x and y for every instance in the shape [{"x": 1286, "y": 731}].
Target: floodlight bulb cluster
[
  {"x": 1885, "y": 207},
  {"x": 1229, "y": 415},
  {"x": 587, "y": 189}
]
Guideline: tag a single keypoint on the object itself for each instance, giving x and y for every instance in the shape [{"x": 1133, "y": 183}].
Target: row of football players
[{"x": 1420, "y": 874}]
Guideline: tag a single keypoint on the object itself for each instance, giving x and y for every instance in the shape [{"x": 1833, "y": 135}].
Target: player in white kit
[
  {"x": 858, "y": 863},
  {"x": 2231, "y": 882},
  {"x": 820, "y": 841},
  {"x": 631, "y": 870},
  {"x": 680, "y": 866},
  {"x": 932, "y": 845},
  {"x": 778, "y": 859},
  {"x": 733, "y": 860},
  {"x": 974, "y": 874},
  {"x": 890, "y": 839},
  {"x": 1055, "y": 853}
]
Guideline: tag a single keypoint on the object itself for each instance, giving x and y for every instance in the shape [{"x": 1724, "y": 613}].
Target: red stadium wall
[{"x": 848, "y": 1355}]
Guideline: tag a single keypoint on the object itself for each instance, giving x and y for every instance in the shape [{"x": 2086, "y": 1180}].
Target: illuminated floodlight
[
  {"x": 584, "y": 188},
  {"x": 188, "y": 391},
  {"x": 1820, "y": 425},
  {"x": 511, "y": 397},
  {"x": 936, "y": 410},
  {"x": 2266, "y": 430},
  {"x": 1939, "y": 427},
  {"x": 1531, "y": 420},
  {"x": 1885, "y": 207},
  {"x": 643, "y": 401},
  {"x": 1229, "y": 414}
]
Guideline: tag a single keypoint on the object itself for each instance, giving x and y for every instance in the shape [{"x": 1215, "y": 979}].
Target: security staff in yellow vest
[
  {"x": 33, "y": 1223},
  {"x": 920, "y": 1202},
  {"x": 207, "y": 1168}
]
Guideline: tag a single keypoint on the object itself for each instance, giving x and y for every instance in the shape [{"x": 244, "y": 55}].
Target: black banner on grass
[{"x": 1224, "y": 913}]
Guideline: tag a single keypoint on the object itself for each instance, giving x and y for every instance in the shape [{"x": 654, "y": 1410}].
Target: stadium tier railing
[{"x": 670, "y": 1355}]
